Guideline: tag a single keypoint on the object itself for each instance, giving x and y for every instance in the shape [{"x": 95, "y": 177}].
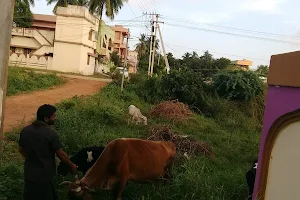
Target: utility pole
[
  {"x": 164, "y": 51},
  {"x": 151, "y": 45},
  {"x": 154, "y": 45},
  {"x": 6, "y": 21},
  {"x": 158, "y": 59},
  {"x": 125, "y": 62}
]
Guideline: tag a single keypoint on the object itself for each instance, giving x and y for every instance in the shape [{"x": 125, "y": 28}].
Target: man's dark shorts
[{"x": 39, "y": 191}]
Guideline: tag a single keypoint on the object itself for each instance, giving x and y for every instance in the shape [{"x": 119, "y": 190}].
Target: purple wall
[{"x": 279, "y": 101}]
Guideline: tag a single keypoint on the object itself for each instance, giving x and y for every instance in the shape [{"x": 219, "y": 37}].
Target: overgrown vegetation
[
  {"x": 22, "y": 14},
  {"x": 238, "y": 85},
  {"x": 231, "y": 128},
  {"x": 25, "y": 80}
]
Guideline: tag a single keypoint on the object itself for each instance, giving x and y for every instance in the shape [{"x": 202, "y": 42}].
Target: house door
[{"x": 283, "y": 181}]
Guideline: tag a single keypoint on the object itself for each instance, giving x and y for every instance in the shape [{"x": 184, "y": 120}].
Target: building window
[
  {"x": 13, "y": 49},
  {"x": 110, "y": 44},
  {"x": 104, "y": 42},
  {"x": 91, "y": 35},
  {"x": 88, "y": 60}
]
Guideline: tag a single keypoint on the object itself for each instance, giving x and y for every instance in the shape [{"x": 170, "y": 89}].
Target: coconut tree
[
  {"x": 22, "y": 14},
  {"x": 111, "y": 7},
  {"x": 27, "y": 2},
  {"x": 141, "y": 46},
  {"x": 82, "y": 3},
  {"x": 62, "y": 3}
]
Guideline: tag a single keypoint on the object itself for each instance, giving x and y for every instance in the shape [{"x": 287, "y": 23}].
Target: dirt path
[{"x": 22, "y": 108}]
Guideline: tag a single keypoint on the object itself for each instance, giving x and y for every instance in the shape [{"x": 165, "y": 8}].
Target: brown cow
[{"x": 122, "y": 160}]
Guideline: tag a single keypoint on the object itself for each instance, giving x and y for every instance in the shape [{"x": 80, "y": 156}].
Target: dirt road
[{"x": 22, "y": 108}]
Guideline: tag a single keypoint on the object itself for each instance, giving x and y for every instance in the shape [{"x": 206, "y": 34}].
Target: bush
[
  {"x": 25, "y": 80},
  {"x": 186, "y": 86},
  {"x": 11, "y": 182},
  {"x": 238, "y": 85},
  {"x": 98, "y": 119}
]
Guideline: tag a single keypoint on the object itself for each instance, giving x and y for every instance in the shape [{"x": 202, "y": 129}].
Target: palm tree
[
  {"x": 111, "y": 7},
  {"x": 141, "y": 47},
  {"x": 62, "y": 3},
  {"x": 84, "y": 3},
  {"x": 187, "y": 55},
  {"x": 22, "y": 14},
  {"x": 28, "y": 2}
]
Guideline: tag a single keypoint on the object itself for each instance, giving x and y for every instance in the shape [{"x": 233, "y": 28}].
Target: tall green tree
[
  {"x": 22, "y": 14},
  {"x": 143, "y": 49},
  {"x": 27, "y": 2},
  {"x": 111, "y": 7},
  {"x": 262, "y": 70},
  {"x": 84, "y": 3},
  {"x": 62, "y": 3},
  {"x": 141, "y": 46}
]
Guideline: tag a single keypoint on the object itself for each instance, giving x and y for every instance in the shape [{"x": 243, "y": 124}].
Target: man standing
[{"x": 38, "y": 144}]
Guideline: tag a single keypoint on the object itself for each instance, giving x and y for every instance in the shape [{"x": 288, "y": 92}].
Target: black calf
[{"x": 84, "y": 159}]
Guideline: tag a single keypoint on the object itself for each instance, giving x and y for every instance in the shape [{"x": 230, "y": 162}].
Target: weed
[
  {"x": 96, "y": 120},
  {"x": 24, "y": 80}
]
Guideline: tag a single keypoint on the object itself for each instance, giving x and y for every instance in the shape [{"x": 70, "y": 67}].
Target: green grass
[
  {"x": 97, "y": 75},
  {"x": 22, "y": 80},
  {"x": 101, "y": 118}
]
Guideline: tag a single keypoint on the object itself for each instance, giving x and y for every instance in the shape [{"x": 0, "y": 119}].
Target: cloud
[
  {"x": 212, "y": 17},
  {"x": 290, "y": 22},
  {"x": 266, "y": 6}
]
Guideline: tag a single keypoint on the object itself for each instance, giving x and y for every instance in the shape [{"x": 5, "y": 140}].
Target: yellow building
[
  {"x": 242, "y": 64},
  {"x": 67, "y": 42},
  {"x": 107, "y": 40}
]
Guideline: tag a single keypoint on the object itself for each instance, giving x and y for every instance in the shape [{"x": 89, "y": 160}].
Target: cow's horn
[
  {"x": 65, "y": 183},
  {"x": 89, "y": 189},
  {"x": 78, "y": 189}
]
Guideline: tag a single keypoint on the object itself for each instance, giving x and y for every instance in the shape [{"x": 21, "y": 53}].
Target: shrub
[
  {"x": 11, "y": 182},
  {"x": 237, "y": 85},
  {"x": 188, "y": 87},
  {"x": 24, "y": 80}
]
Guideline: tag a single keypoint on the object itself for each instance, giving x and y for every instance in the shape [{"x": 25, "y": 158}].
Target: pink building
[
  {"x": 120, "y": 40},
  {"x": 277, "y": 176}
]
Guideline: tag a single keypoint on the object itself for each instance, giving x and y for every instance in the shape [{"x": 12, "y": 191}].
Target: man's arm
[
  {"x": 57, "y": 148},
  {"x": 65, "y": 158}
]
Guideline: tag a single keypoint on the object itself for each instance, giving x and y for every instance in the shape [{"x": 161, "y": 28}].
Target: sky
[{"x": 235, "y": 29}]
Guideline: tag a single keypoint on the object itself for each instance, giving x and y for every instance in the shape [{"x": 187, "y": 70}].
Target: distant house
[
  {"x": 120, "y": 42},
  {"x": 66, "y": 42},
  {"x": 107, "y": 40},
  {"x": 132, "y": 61},
  {"x": 29, "y": 46},
  {"x": 242, "y": 64}
]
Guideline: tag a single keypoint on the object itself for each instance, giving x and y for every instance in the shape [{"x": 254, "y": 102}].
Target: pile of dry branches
[
  {"x": 185, "y": 146},
  {"x": 174, "y": 110}
]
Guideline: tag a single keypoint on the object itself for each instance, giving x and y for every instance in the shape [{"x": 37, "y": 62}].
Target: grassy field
[
  {"x": 99, "y": 119},
  {"x": 22, "y": 80},
  {"x": 98, "y": 75}
]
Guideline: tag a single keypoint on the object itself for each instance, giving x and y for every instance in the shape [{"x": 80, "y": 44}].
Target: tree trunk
[
  {"x": 98, "y": 47},
  {"x": 99, "y": 30}
]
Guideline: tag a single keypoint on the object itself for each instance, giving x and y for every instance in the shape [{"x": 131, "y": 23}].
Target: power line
[
  {"x": 231, "y": 28},
  {"x": 234, "y": 34},
  {"x": 218, "y": 52},
  {"x": 131, "y": 9},
  {"x": 173, "y": 50},
  {"x": 144, "y": 7}
]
